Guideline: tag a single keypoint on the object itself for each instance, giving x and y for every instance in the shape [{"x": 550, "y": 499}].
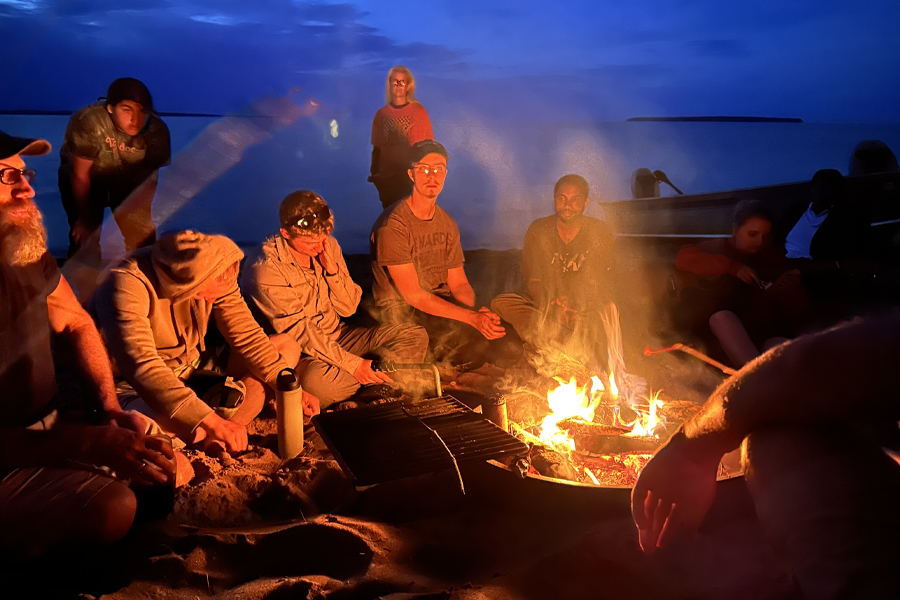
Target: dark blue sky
[{"x": 485, "y": 59}]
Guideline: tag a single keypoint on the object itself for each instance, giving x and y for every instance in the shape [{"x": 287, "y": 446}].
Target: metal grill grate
[{"x": 385, "y": 442}]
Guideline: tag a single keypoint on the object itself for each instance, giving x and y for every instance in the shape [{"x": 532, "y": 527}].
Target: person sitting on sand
[
  {"x": 825, "y": 492},
  {"x": 52, "y": 491},
  {"x": 568, "y": 267},
  {"x": 417, "y": 261},
  {"x": 740, "y": 289},
  {"x": 301, "y": 287},
  {"x": 397, "y": 125},
  {"x": 155, "y": 308}
]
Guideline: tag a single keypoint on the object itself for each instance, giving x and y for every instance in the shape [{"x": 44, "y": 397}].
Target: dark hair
[
  {"x": 745, "y": 209},
  {"x": 576, "y": 180},
  {"x": 872, "y": 156},
  {"x": 422, "y": 149},
  {"x": 129, "y": 88},
  {"x": 299, "y": 204},
  {"x": 827, "y": 189}
]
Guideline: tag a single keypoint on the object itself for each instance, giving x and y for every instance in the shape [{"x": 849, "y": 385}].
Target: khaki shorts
[{"x": 39, "y": 504}]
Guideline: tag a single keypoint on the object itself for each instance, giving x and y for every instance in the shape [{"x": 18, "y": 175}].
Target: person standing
[
  {"x": 112, "y": 149},
  {"x": 398, "y": 125}
]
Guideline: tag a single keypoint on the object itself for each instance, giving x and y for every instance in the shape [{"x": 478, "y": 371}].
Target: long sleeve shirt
[
  {"x": 152, "y": 331},
  {"x": 304, "y": 302}
]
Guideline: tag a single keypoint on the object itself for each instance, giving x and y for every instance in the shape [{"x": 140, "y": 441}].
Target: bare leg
[
  {"x": 735, "y": 340},
  {"x": 107, "y": 517}
]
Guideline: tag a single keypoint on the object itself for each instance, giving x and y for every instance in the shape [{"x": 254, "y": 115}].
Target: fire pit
[{"x": 595, "y": 429}]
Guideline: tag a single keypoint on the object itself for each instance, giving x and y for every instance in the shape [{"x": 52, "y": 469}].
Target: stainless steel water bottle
[{"x": 289, "y": 404}]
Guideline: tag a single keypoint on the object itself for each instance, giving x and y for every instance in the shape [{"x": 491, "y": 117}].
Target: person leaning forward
[
  {"x": 301, "y": 287},
  {"x": 418, "y": 267},
  {"x": 568, "y": 267},
  {"x": 52, "y": 488},
  {"x": 155, "y": 308},
  {"x": 110, "y": 149}
]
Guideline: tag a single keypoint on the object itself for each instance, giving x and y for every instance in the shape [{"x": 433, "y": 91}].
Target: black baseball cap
[
  {"x": 129, "y": 88},
  {"x": 10, "y": 146},
  {"x": 420, "y": 150}
]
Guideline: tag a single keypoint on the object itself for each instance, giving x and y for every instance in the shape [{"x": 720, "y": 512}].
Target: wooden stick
[{"x": 695, "y": 353}]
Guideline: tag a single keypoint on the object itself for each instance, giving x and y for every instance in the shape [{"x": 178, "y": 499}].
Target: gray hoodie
[{"x": 154, "y": 324}]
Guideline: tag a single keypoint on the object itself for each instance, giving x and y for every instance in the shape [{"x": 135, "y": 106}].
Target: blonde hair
[{"x": 410, "y": 87}]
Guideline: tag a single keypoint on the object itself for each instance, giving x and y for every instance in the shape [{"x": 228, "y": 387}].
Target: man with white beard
[{"x": 52, "y": 489}]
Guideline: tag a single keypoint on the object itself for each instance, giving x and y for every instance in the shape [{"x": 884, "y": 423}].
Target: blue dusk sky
[{"x": 570, "y": 60}]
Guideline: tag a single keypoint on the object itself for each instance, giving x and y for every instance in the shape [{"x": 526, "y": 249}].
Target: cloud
[{"x": 591, "y": 59}]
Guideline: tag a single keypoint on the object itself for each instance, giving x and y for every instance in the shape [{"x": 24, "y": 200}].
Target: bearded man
[{"x": 51, "y": 489}]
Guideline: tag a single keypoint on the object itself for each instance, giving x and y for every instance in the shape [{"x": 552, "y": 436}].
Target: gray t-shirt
[{"x": 399, "y": 237}]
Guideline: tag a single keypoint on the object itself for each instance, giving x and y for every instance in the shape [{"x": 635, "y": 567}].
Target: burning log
[
  {"x": 551, "y": 463},
  {"x": 594, "y": 438}
]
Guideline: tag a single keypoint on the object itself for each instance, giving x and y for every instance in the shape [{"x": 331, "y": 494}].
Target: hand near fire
[
  {"x": 673, "y": 494},
  {"x": 365, "y": 375},
  {"x": 487, "y": 323},
  {"x": 567, "y": 313}
]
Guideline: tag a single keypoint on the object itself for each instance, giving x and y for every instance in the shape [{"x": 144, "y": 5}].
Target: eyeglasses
[
  {"x": 311, "y": 220},
  {"x": 12, "y": 175},
  {"x": 400, "y": 82},
  {"x": 428, "y": 170}
]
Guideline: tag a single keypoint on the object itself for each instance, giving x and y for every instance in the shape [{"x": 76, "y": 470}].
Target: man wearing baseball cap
[
  {"x": 417, "y": 261},
  {"x": 300, "y": 286},
  {"x": 111, "y": 153},
  {"x": 51, "y": 492}
]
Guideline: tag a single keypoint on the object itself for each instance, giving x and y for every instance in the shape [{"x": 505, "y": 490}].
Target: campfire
[{"x": 593, "y": 428}]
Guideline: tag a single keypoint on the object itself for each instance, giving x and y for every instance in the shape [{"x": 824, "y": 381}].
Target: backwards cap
[
  {"x": 422, "y": 149},
  {"x": 129, "y": 88}
]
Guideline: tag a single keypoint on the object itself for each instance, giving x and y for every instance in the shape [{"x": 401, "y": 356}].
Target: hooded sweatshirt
[{"x": 154, "y": 324}]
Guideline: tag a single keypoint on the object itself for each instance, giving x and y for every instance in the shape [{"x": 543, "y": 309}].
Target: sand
[{"x": 251, "y": 527}]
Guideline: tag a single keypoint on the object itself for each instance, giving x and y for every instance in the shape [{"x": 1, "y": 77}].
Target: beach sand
[{"x": 251, "y": 528}]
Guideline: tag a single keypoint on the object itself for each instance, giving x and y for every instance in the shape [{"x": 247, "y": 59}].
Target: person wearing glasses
[
  {"x": 569, "y": 272},
  {"x": 398, "y": 125},
  {"x": 155, "y": 308},
  {"x": 51, "y": 492},
  {"x": 111, "y": 153},
  {"x": 300, "y": 287},
  {"x": 417, "y": 261}
]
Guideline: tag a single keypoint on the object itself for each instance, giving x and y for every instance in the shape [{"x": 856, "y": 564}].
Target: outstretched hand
[
  {"x": 365, "y": 375},
  {"x": 673, "y": 494}
]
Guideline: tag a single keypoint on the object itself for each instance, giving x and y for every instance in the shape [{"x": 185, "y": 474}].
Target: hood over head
[{"x": 185, "y": 261}]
